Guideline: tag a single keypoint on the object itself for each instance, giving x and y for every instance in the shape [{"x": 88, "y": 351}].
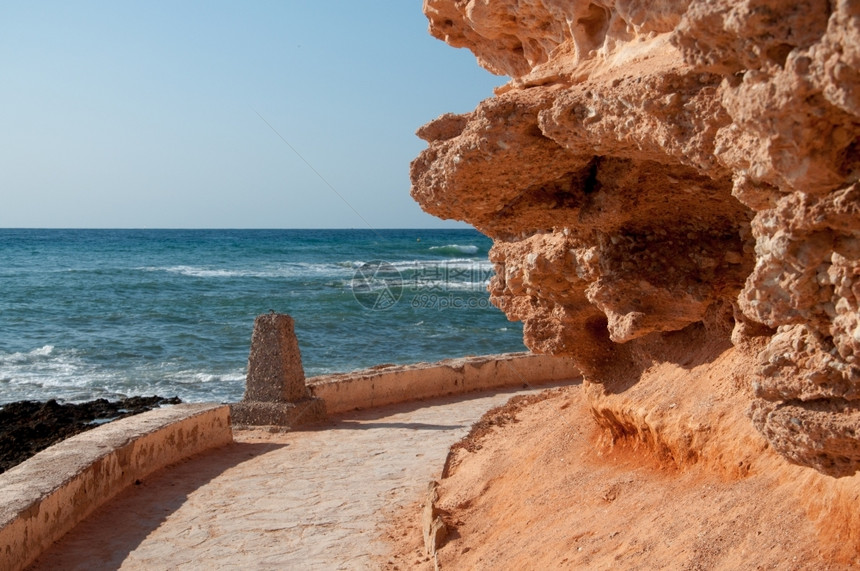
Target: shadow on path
[
  {"x": 109, "y": 534},
  {"x": 355, "y": 425}
]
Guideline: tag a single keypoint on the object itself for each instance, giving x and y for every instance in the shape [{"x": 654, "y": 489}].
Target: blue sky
[{"x": 145, "y": 115}]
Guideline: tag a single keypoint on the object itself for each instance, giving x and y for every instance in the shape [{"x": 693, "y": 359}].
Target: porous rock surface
[{"x": 653, "y": 166}]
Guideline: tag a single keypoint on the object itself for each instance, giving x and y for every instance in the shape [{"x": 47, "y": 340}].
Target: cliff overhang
[{"x": 683, "y": 167}]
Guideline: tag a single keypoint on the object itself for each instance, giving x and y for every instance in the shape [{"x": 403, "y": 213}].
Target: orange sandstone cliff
[{"x": 672, "y": 181}]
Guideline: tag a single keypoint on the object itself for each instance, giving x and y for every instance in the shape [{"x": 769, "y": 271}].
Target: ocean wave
[
  {"x": 28, "y": 357},
  {"x": 47, "y": 372},
  {"x": 455, "y": 249},
  {"x": 45, "y": 366},
  {"x": 452, "y": 264},
  {"x": 197, "y": 377},
  {"x": 455, "y": 269},
  {"x": 203, "y": 272},
  {"x": 283, "y": 271},
  {"x": 196, "y": 386},
  {"x": 342, "y": 269}
]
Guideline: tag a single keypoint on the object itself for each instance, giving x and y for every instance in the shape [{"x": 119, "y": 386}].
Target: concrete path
[{"x": 298, "y": 500}]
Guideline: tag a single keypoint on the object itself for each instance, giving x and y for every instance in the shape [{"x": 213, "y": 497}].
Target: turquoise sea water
[{"x": 107, "y": 313}]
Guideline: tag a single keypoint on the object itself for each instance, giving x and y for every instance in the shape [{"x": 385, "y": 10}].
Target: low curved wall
[
  {"x": 391, "y": 384},
  {"x": 46, "y": 496}
]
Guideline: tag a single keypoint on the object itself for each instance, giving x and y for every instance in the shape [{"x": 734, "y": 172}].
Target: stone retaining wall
[
  {"x": 46, "y": 496},
  {"x": 391, "y": 384}
]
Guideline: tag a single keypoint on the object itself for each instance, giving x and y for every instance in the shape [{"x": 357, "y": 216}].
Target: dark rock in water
[{"x": 28, "y": 427}]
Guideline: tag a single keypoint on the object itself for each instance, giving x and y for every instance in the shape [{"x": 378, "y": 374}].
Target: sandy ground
[
  {"x": 315, "y": 499},
  {"x": 534, "y": 489}
]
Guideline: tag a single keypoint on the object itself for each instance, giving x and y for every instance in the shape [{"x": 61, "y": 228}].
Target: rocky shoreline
[{"x": 28, "y": 427}]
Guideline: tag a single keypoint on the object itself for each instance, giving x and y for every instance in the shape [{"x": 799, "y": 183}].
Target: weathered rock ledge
[
  {"x": 671, "y": 168},
  {"x": 679, "y": 479}
]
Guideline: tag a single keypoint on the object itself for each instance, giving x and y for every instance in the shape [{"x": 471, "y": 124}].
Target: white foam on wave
[
  {"x": 291, "y": 270},
  {"x": 452, "y": 263},
  {"x": 342, "y": 269},
  {"x": 198, "y": 377},
  {"x": 46, "y": 366},
  {"x": 198, "y": 386},
  {"x": 455, "y": 249},
  {"x": 28, "y": 357},
  {"x": 64, "y": 374}
]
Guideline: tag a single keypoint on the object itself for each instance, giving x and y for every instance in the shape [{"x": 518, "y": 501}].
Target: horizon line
[{"x": 363, "y": 229}]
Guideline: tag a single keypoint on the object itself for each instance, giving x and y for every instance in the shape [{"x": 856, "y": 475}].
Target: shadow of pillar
[{"x": 275, "y": 389}]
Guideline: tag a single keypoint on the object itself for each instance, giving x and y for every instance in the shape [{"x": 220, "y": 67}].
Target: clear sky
[{"x": 145, "y": 114}]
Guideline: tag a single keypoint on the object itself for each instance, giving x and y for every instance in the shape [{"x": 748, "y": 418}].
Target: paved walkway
[{"x": 297, "y": 500}]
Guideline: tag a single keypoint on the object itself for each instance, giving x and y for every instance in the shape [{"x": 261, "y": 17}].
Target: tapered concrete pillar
[{"x": 275, "y": 390}]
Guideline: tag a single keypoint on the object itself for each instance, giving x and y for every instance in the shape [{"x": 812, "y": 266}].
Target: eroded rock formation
[{"x": 658, "y": 166}]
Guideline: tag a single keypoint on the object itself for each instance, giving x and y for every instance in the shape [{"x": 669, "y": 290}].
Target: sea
[{"x": 87, "y": 314}]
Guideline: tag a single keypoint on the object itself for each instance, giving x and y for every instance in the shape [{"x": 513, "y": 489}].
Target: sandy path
[{"x": 298, "y": 500}]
